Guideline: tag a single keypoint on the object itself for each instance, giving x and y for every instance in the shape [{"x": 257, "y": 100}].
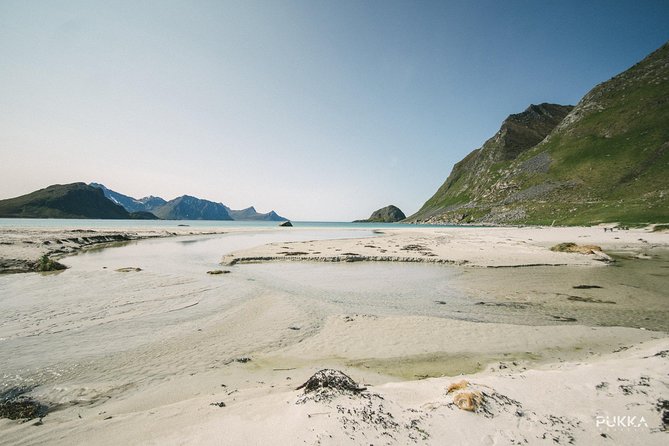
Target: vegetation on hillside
[
  {"x": 606, "y": 160},
  {"x": 76, "y": 200}
]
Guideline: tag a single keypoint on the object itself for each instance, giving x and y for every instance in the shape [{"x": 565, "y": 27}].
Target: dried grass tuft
[
  {"x": 457, "y": 386},
  {"x": 469, "y": 401}
]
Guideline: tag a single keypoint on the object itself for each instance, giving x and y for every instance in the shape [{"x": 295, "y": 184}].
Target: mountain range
[
  {"x": 186, "y": 207},
  {"x": 604, "y": 160},
  {"x": 79, "y": 200}
]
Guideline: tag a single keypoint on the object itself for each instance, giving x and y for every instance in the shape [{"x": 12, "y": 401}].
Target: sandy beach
[
  {"x": 481, "y": 247},
  {"x": 137, "y": 344},
  {"x": 22, "y": 247}
]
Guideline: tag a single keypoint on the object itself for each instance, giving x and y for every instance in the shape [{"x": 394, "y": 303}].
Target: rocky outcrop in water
[{"x": 388, "y": 214}]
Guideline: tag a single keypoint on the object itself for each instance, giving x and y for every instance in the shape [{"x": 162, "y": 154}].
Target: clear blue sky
[{"x": 321, "y": 110}]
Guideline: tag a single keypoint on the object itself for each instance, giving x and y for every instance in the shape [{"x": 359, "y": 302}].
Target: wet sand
[
  {"x": 138, "y": 357},
  {"x": 21, "y": 248}
]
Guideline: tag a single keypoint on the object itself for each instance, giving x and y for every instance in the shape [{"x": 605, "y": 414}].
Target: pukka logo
[{"x": 620, "y": 421}]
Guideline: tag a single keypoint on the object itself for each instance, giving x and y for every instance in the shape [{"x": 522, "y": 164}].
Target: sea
[{"x": 56, "y": 223}]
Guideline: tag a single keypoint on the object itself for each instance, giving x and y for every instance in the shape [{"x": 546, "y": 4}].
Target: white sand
[
  {"x": 491, "y": 247},
  {"x": 565, "y": 403},
  {"x": 558, "y": 403},
  {"x": 543, "y": 384},
  {"x": 20, "y": 247}
]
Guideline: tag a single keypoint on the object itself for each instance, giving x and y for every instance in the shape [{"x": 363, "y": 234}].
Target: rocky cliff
[{"x": 607, "y": 159}]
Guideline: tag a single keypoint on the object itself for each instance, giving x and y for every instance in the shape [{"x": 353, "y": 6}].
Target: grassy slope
[
  {"x": 616, "y": 156},
  {"x": 452, "y": 192},
  {"x": 619, "y": 155},
  {"x": 76, "y": 200}
]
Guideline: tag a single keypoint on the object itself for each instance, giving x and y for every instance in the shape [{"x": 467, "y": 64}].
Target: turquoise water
[{"x": 120, "y": 224}]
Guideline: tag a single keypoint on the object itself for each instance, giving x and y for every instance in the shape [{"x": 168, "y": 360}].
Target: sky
[{"x": 319, "y": 110}]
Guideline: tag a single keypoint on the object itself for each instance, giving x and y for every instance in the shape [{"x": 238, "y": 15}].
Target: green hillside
[
  {"x": 607, "y": 160},
  {"x": 76, "y": 200}
]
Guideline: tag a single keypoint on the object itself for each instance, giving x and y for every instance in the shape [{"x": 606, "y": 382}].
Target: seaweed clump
[
  {"x": 14, "y": 405},
  {"x": 329, "y": 383},
  {"x": 45, "y": 264},
  {"x": 573, "y": 247}
]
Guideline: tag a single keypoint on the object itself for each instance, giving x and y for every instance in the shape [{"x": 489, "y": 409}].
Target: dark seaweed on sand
[{"x": 14, "y": 405}]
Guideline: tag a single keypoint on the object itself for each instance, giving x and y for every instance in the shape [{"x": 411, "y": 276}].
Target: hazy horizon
[{"x": 316, "y": 110}]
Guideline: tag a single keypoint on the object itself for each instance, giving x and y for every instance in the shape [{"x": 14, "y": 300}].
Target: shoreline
[
  {"x": 505, "y": 246},
  {"x": 22, "y": 248}
]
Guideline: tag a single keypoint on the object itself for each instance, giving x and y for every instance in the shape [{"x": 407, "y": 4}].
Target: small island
[{"x": 388, "y": 214}]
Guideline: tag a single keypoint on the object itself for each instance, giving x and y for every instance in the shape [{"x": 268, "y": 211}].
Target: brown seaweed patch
[
  {"x": 457, "y": 386},
  {"x": 515, "y": 305},
  {"x": 413, "y": 248},
  {"x": 326, "y": 384},
  {"x": 573, "y": 247},
  {"x": 589, "y": 300}
]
